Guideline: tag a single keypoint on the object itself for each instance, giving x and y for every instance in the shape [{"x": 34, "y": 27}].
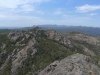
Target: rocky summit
[
  {"x": 77, "y": 64},
  {"x": 48, "y": 52}
]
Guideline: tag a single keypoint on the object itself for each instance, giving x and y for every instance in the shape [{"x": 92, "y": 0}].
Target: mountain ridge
[{"x": 29, "y": 52}]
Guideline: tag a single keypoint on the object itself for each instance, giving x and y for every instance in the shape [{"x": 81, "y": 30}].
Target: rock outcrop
[
  {"x": 84, "y": 38},
  {"x": 53, "y": 35},
  {"x": 3, "y": 46},
  {"x": 56, "y": 36},
  {"x": 14, "y": 35},
  {"x": 89, "y": 52},
  {"x": 77, "y": 64},
  {"x": 19, "y": 59}
]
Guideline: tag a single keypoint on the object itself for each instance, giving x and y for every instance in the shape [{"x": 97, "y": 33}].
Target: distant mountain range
[{"x": 95, "y": 31}]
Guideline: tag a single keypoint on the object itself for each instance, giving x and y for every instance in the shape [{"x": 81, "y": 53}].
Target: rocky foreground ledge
[{"x": 77, "y": 64}]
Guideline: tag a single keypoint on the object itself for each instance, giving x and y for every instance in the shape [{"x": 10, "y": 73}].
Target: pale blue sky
[{"x": 25, "y": 13}]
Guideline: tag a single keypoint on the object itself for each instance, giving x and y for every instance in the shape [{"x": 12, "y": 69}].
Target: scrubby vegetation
[{"x": 48, "y": 51}]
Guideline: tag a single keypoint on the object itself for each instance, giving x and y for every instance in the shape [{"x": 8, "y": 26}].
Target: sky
[{"x": 25, "y": 13}]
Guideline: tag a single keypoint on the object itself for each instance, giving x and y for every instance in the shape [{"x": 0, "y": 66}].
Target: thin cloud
[
  {"x": 58, "y": 11},
  {"x": 12, "y": 3},
  {"x": 61, "y": 11},
  {"x": 65, "y": 16},
  {"x": 70, "y": 1},
  {"x": 27, "y": 8},
  {"x": 87, "y": 8},
  {"x": 13, "y": 19},
  {"x": 92, "y": 14},
  {"x": 16, "y": 3},
  {"x": 22, "y": 5}
]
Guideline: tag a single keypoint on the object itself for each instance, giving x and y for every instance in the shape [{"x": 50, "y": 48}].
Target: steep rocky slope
[{"x": 29, "y": 52}]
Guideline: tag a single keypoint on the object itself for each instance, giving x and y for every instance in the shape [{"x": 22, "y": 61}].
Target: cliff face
[{"x": 30, "y": 52}]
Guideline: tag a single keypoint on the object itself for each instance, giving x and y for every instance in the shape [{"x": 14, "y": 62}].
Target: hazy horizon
[{"x": 46, "y": 25}]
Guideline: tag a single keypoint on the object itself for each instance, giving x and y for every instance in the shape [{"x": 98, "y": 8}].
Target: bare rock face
[
  {"x": 21, "y": 56},
  {"x": 27, "y": 36},
  {"x": 98, "y": 62},
  {"x": 84, "y": 38},
  {"x": 53, "y": 35},
  {"x": 76, "y": 64},
  {"x": 14, "y": 35},
  {"x": 3, "y": 46},
  {"x": 89, "y": 52}
]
